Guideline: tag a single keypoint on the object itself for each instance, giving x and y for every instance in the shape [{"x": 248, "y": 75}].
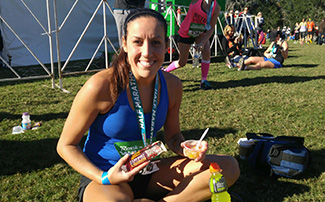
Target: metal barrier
[
  {"x": 51, "y": 34},
  {"x": 105, "y": 39},
  {"x": 55, "y": 35},
  {"x": 47, "y": 32}
]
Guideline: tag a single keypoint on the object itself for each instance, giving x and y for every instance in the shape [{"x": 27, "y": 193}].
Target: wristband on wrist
[{"x": 105, "y": 180}]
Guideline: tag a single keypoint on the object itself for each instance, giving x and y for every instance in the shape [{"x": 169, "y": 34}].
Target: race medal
[{"x": 135, "y": 146}]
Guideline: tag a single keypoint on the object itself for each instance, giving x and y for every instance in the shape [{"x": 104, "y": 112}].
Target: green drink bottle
[{"x": 218, "y": 186}]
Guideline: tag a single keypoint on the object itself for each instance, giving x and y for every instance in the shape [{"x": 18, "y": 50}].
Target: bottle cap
[
  {"x": 214, "y": 167},
  {"x": 25, "y": 113}
]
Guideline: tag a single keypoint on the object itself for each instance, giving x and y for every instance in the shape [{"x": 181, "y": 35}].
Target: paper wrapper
[{"x": 143, "y": 155}]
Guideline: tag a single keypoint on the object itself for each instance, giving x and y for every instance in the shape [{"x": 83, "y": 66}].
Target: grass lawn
[{"x": 286, "y": 101}]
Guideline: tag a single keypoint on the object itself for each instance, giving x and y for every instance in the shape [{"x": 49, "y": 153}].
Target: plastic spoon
[{"x": 203, "y": 135}]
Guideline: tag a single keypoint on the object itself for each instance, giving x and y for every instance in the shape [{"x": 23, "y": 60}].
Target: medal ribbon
[
  {"x": 208, "y": 26},
  {"x": 139, "y": 109}
]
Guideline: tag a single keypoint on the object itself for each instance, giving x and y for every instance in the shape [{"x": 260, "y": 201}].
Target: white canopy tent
[
  {"x": 28, "y": 28},
  {"x": 32, "y": 29}
]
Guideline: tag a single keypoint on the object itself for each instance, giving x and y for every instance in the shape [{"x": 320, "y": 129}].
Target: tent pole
[
  {"x": 57, "y": 43},
  {"x": 50, "y": 41},
  {"x": 105, "y": 35}
]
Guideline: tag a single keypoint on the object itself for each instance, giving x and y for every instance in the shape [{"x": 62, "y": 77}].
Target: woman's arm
[
  {"x": 225, "y": 46},
  {"x": 173, "y": 135},
  {"x": 87, "y": 104},
  {"x": 284, "y": 49},
  {"x": 268, "y": 50}
]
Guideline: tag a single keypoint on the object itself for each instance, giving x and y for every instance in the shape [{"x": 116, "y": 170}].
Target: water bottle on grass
[{"x": 196, "y": 56}]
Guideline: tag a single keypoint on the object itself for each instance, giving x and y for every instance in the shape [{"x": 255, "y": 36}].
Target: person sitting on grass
[
  {"x": 122, "y": 108},
  {"x": 274, "y": 55},
  {"x": 232, "y": 46}
]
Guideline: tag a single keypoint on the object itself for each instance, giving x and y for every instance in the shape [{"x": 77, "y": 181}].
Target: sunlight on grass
[{"x": 287, "y": 101}]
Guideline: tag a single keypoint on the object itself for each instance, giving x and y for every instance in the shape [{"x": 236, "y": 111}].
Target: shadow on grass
[
  {"x": 253, "y": 185},
  {"x": 256, "y": 185},
  {"x": 26, "y": 156},
  {"x": 302, "y": 65},
  {"x": 196, "y": 133},
  {"x": 252, "y": 82}
]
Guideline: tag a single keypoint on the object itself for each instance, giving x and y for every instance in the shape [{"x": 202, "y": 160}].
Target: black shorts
[
  {"x": 189, "y": 40},
  {"x": 138, "y": 185}
]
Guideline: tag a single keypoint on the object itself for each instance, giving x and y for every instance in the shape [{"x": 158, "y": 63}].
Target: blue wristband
[{"x": 105, "y": 180}]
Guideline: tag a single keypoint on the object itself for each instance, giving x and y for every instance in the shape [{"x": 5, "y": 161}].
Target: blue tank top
[{"x": 120, "y": 125}]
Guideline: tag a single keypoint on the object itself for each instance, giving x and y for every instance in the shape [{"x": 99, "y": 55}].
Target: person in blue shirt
[{"x": 122, "y": 108}]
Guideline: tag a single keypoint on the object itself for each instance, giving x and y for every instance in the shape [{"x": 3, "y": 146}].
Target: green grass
[{"x": 287, "y": 101}]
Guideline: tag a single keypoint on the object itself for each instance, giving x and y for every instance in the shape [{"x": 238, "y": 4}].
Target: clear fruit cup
[{"x": 191, "y": 151}]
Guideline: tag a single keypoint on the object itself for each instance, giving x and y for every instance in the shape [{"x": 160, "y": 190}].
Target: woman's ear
[{"x": 124, "y": 44}]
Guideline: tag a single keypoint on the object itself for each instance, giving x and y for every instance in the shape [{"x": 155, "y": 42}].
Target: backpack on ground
[{"x": 282, "y": 155}]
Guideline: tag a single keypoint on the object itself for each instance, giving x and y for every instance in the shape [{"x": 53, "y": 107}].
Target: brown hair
[
  {"x": 120, "y": 65},
  {"x": 227, "y": 29}
]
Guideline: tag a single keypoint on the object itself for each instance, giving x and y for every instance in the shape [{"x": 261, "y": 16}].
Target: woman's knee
[
  {"x": 229, "y": 166},
  {"x": 97, "y": 192},
  {"x": 181, "y": 63}
]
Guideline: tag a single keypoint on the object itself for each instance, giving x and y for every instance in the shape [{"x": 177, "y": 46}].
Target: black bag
[{"x": 283, "y": 155}]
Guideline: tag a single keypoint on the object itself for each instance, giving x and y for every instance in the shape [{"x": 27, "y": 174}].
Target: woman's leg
[
  {"x": 205, "y": 63},
  {"x": 258, "y": 64},
  {"x": 180, "y": 179},
  {"x": 183, "y": 55},
  {"x": 253, "y": 60}
]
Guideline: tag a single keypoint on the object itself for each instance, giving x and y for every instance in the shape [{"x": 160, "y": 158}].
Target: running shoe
[
  {"x": 205, "y": 85},
  {"x": 229, "y": 63},
  {"x": 241, "y": 64}
]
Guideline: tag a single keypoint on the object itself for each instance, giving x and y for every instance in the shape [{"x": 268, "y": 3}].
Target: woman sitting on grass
[
  {"x": 275, "y": 55},
  {"x": 232, "y": 46},
  {"x": 104, "y": 105}
]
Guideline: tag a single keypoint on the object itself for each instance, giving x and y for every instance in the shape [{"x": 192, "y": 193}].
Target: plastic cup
[
  {"x": 245, "y": 147},
  {"x": 17, "y": 130},
  {"x": 190, "y": 149}
]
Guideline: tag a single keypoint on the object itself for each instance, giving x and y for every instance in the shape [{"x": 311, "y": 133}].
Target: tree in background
[{"x": 281, "y": 12}]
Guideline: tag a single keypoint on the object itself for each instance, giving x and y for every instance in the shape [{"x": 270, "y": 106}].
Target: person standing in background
[
  {"x": 259, "y": 28},
  {"x": 231, "y": 18},
  {"x": 121, "y": 10},
  {"x": 194, "y": 29},
  {"x": 296, "y": 32},
  {"x": 321, "y": 32},
  {"x": 245, "y": 25},
  {"x": 302, "y": 30},
  {"x": 310, "y": 30}
]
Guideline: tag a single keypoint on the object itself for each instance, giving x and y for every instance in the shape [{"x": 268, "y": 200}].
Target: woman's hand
[
  {"x": 236, "y": 40},
  {"x": 202, "y": 154},
  {"x": 117, "y": 175}
]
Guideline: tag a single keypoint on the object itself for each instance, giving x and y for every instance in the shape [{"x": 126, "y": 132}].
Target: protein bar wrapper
[{"x": 143, "y": 155}]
